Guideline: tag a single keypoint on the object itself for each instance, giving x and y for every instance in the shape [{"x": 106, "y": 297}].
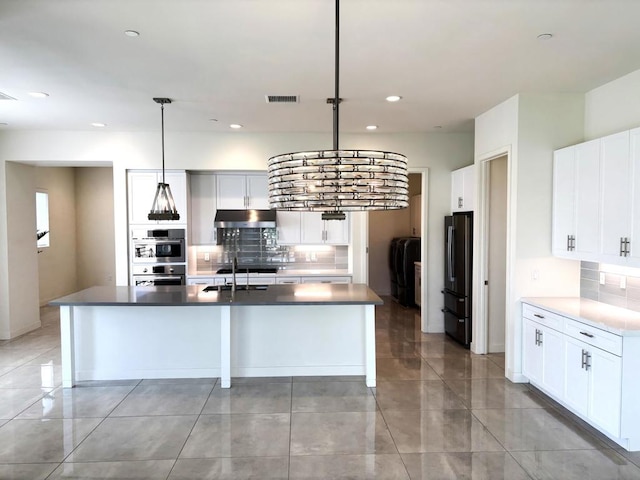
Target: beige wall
[
  {"x": 57, "y": 263},
  {"x": 96, "y": 261}
]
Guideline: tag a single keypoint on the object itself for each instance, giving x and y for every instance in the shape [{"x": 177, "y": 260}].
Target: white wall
[
  {"x": 613, "y": 107},
  {"x": 57, "y": 263},
  {"x": 96, "y": 262},
  {"x": 529, "y": 128},
  {"x": 440, "y": 153},
  {"x": 21, "y": 300}
]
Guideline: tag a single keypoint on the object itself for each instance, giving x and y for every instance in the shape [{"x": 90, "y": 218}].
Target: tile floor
[{"x": 438, "y": 412}]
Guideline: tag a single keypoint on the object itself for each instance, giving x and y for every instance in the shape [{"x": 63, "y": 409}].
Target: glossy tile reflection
[{"x": 439, "y": 412}]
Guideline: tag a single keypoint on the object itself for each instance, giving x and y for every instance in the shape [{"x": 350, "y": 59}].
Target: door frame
[{"x": 480, "y": 327}]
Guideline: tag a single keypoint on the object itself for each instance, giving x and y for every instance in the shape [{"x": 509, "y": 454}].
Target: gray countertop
[{"x": 193, "y": 295}]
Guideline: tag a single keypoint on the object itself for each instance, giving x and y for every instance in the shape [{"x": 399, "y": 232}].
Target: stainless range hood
[{"x": 245, "y": 219}]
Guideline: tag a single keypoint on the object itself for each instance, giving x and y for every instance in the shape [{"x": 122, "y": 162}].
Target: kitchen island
[{"x": 114, "y": 333}]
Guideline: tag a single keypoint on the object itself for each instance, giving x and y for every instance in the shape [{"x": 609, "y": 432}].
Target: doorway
[{"x": 495, "y": 252}]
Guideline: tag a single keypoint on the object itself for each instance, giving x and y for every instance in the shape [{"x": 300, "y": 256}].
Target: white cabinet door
[
  {"x": 257, "y": 192},
  {"x": 337, "y": 231},
  {"x": 553, "y": 359},
  {"x": 142, "y": 190},
  {"x": 231, "y": 192},
  {"x": 317, "y": 279},
  {"x": 615, "y": 196},
  {"x": 200, "y": 281},
  {"x": 576, "y": 390},
  {"x": 312, "y": 228},
  {"x": 587, "y": 200},
  {"x": 564, "y": 180},
  {"x": 457, "y": 190},
  {"x": 287, "y": 280},
  {"x": 288, "y": 231},
  {"x": 463, "y": 189},
  {"x": 605, "y": 389},
  {"x": 634, "y": 247},
  {"x": 202, "y": 209},
  {"x": 531, "y": 352}
]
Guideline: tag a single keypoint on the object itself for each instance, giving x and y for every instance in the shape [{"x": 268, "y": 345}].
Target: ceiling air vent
[
  {"x": 4, "y": 96},
  {"x": 282, "y": 98}
]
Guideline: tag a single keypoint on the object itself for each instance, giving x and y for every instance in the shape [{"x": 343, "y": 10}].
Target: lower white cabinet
[
  {"x": 319, "y": 279},
  {"x": 287, "y": 280},
  {"x": 582, "y": 367}
]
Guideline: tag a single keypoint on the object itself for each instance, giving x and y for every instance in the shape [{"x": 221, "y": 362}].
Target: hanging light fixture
[
  {"x": 332, "y": 181},
  {"x": 164, "y": 208}
]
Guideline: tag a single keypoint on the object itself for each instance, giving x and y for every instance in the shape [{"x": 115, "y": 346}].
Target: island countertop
[{"x": 194, "y": 295}]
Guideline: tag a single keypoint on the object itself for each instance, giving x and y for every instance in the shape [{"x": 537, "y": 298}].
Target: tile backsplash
[{"x": 611, "y": 291}]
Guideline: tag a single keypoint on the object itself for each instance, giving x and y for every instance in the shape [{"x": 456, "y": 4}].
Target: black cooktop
[{"x": 242, "y": 269}]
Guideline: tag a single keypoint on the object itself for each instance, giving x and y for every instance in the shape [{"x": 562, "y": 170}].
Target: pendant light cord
[
  {"x": 162, "y": 117},
  {"x": 336, "y": 100}
]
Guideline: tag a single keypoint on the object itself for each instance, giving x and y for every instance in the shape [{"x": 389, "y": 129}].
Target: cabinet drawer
[
  {"x": 609, "y": 342},
  {"x": 543, "y": 317},
  {"x": 287, "y": 280}
]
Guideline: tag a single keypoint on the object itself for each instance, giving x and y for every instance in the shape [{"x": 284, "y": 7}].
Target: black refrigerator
[{"x": 458, "y": 261}]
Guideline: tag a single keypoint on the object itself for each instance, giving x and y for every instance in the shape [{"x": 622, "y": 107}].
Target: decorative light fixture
[
  {"x": 331, "y": 181},
  {"x": 164, "y": 208}
]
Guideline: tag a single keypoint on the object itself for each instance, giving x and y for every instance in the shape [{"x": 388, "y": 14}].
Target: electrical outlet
[
  {"x": 623, "y": 282},
  {"x": 207, "y": 258},
  {"x": 535, "y": 275},
  {"x": 602, "y": 278}
]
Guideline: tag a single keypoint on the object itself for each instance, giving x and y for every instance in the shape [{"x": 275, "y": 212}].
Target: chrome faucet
[{"x": 234, "y": 266}]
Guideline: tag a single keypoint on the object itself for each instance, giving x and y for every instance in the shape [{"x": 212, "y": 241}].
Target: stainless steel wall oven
[
  {"x": 158, "y": 246},
  {"x": 157, "y": 275}
]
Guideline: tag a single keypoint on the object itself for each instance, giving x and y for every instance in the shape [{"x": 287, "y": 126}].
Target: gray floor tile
[
  {"x": 135, "y": 438},
  {"x": 535, "y": 429},
  {"x": 324, "y": 378},
  {"x": 16, "y": 357},
  {"x": 133, "y": 470},
  {"x": 15, "y": 400},
  {"x": 33, "y": 376},
  {"x": 404, "y": 369},
  {"x": 242, "y": 435},
  {"x": 439, "y": 431},
  {"x": 416, "y": 395},
  {"x": 107, "y": 383},
  {"x": 496, "y": 393},
  {"x": 465, "y": 367},
  {"x": 259, "y": 380},
  {"x": 267, "y": 468},
  {"x": 35, "y": 342},
  {"x": 77, "y": 402},
  {"x": 25, "y": 471},
  {"x": 42, "y": 441},
  {"x": 352, "y": 467},
  {"x": 166, "y": 399},
  {"x": 442, "y": 349},
  {"x": 164, "y": 381},
  {"x": 401, "y": 349},
  {"x": 332, "y": 397},
  {"x": 250, "y": 398},
  {"x": 50, "y": 357},
  {"x": 456, "y": 466},
  {"x": 577, "y": 465},
  {"x": 340, "y": 433}
]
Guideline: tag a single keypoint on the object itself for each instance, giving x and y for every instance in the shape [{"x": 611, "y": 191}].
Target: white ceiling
[{"x": 450, "y": 60}]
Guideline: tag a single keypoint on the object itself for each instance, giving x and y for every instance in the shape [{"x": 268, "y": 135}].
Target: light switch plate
[
  {"x": 601, "y": 278},
  {"x": 206, "y": 257},
  {"x": 623, "y": 282}
]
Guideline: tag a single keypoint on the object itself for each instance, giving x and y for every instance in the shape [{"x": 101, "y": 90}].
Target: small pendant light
[{"x": 164, "y": 208}]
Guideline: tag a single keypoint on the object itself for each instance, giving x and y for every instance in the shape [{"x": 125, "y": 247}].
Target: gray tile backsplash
[{"x": 610, "y": 292}]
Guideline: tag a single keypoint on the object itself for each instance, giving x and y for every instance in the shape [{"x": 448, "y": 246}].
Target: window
[{"x": 42, "y": 219}]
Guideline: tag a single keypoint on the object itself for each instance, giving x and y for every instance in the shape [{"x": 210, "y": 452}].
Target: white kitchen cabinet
[
  {"x": 324, "y": 279},
  {"x": 287, "y": 280},
  {"x": 576, "y": 393},
  {"x": 634, "y": 241},
  {"x": 288, "y": 228},
  {"x": 463, "y": 189},
  {"x": 576, "y": 189},
  {"x": 142, "y": 187},
  {"x": 542, "y": 352},
  {"x": 242, "y": 192},
  {"x": 531, "y": 351},
  {"x": 316, "y": 231},
  {"x": 202, "y": 209},
  {"x": 200, "y": 281}
]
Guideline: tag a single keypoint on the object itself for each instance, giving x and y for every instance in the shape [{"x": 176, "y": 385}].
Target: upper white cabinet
[
  {"x": 596, "y": 200},
  {"x": 576, "y": 186},
  {"x": 314, "y": 230},
  {"x": 242, "y": 192},
  {"x": 202, "y": 209},
  {"x": 288, "y": 228},
  {"x": 142, "y": 187},
  {"x": 463, "y": 189}
]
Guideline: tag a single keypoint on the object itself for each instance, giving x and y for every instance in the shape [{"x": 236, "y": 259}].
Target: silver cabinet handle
[
  {"x": 460, "y": 202},
  {"x": 584, "y": 358},
  {"x": 622, "y": 246},
  {"x": 538, "y": 315},
  {"x": 586, "y": 334},
  {"x": 587, "y": 364}
]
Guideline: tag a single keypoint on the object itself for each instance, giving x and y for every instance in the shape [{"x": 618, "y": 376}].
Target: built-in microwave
[{"x": 158, "y": 246}]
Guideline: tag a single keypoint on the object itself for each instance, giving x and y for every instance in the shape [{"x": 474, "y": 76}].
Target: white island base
[{"x": 103, "y": 342}]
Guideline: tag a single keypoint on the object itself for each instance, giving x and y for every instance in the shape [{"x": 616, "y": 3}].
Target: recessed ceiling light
[
  {"x": 98, "y": 124},
  {"x": 393, "y": 98},
  {"x": 545, "y": 36},
  {"x": 371, "y": 127},
  {"x": 39, "y": 94},
  {"x": 235, "y": 125},
  {"x": 131, "y": 33}
]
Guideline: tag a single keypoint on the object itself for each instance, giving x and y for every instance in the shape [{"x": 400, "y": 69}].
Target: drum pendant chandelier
[
  {"x": 332, "y": 181},
  {"x": 164, "y": 207}
]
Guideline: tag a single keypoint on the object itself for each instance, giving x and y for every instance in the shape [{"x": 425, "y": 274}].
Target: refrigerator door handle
[{"x": 450, "y": 253}]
